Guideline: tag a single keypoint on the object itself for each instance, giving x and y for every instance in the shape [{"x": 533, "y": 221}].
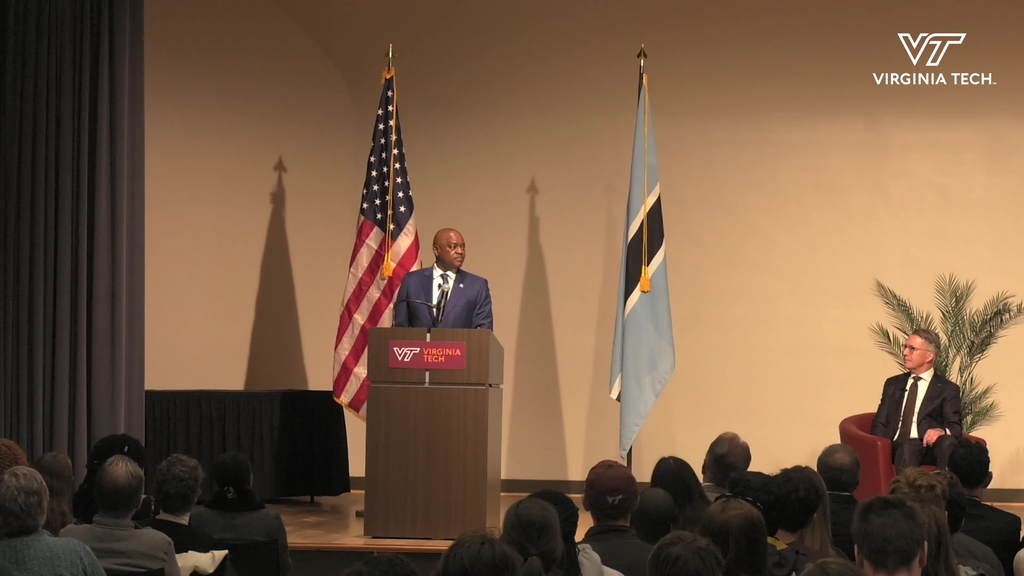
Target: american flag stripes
[{"x": 386, "y": 248}]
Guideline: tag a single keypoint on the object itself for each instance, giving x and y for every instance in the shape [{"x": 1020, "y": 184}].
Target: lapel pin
[{"x": 460, "y": 285}]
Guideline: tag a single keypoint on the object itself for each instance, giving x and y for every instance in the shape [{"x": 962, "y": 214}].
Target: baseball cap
[{"x": 610, "y": 488}]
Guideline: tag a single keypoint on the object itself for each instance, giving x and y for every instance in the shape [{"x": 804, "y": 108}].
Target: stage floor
[{"x": 330, "y": 524}]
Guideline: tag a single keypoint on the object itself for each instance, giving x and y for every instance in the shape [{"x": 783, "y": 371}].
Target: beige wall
[{"x": 790, "y": 181}]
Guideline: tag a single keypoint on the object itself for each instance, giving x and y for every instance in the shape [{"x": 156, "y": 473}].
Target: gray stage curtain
[{"x": 72, "y": 215}]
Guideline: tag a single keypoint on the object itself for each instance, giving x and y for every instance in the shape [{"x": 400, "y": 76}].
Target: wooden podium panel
[{"x": 433, "y": 439}]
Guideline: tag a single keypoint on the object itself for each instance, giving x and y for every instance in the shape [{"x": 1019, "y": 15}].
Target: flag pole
[{"x": 387, "y": 267}]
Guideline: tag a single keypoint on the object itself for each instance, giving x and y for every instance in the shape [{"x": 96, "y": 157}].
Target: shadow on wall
[
  {"x": 536, "y": 394},
  {"x": 275, "y": 348},
  {"x": 601, "y": 440}
]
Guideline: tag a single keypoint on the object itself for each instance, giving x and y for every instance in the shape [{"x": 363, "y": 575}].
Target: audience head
[
  {"x": 969, "y": 462},
  {"x": 737, "y": 529},
  {"x": 11, "y": 455},
  {"x": 919, "y": 486},
  {"x": 384, "y": 565},
  {"x": 832, "y": 567},
  {"x": 118, "y": 488},
  {"x": 177, "y": 484},
  {"x": 675, "y": 476},
  {"x": 610, "y": 493},
  {"x": 56, "y": 470},
  {"x": 818, "y": 534},
  {"x": 654, "y": 515},
  {"x": 839, "y": 467},
  {"x": 479, "y": 553},
  {"x": 727, "y": 456},
  {"x": 531, "y": 528},
  {"x": 685, "y": 554},
  {"x": 84, "y": 505},
  {"x": 758, "y": 488},
  {"x": 889, "y": 536},
  {"x": 569, "y": 522},
  {"x": 956, "y": 500},
  {"x": 799, "y": 498},
  {"x": 232, "y": 470},
  {"x": 23, "y": 497}
]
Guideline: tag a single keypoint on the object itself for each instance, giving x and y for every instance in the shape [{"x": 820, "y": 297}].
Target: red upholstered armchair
[{"x": 876, "y": 469}]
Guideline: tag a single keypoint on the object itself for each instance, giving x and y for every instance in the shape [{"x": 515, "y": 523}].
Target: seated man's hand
[{"x": 931, "y": 436}]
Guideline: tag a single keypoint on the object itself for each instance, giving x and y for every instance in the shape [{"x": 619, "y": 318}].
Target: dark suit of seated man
[
  {"x": 444, "y": 295},
  {"x": 919, "y": 410}
]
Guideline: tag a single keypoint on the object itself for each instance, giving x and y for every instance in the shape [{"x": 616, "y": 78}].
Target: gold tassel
[
  {"x": 645, "y": 280},
  {"x": 386, "y": 269}
]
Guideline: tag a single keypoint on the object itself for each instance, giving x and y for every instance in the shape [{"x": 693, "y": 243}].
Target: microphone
[
  {"x": 445, "y": 292},
  {"x": 424, "y": 302}
]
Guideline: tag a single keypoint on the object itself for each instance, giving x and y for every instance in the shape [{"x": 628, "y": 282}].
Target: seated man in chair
[{"x": 919, "y": 410}]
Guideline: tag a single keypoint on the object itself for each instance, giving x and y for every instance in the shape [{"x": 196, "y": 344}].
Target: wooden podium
[{"x": 433, "y": 436}]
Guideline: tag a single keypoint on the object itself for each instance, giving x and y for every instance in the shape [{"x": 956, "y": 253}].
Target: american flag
[{"x": 385, "y": 206}]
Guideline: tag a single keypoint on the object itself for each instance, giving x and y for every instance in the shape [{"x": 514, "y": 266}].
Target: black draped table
[{"x": 295, "y": 439}]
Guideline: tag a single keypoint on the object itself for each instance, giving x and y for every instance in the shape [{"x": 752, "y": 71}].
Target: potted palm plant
[{"x": 968, "y": 335}]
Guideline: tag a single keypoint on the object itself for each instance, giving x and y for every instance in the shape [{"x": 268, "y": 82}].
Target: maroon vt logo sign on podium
[{"x": 427, "y": 355}]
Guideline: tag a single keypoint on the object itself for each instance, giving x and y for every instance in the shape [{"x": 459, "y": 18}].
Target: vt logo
[
  {"x": 405, "y": 354},
  {"x": 915, "y": 47}
]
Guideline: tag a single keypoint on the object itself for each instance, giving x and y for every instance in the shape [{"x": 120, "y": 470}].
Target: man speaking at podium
[{"x": 444, "y": 295}]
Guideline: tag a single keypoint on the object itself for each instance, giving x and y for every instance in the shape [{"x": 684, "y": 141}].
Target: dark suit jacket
[
  {"x": 940, "y": 407},
  {"x": 841, "y": 509},
  {"x": 995, "y": 528},
  {"x": 469, "y": 302}
]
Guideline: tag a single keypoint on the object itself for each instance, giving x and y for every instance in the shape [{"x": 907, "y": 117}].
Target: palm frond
[
  {"x": 952, "y": 298},
  {"x": 978, "y": 405},
  {"x": 889, "y": 342},
  {"x": 904, "y": 316},
  {"x": 990, "y": 323}
]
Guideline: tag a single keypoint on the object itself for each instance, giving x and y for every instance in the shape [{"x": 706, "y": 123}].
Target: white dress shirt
[
  {"x": 922, "y": 389},
  {"x": 436, "y": 284}
]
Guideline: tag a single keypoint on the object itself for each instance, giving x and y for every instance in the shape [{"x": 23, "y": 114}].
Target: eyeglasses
[
  {"x": 750, "y": 501},
  {"x": 912, "y": 349}
]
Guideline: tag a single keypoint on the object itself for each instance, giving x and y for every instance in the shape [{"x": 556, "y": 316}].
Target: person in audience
[
  {"x": 923, "y": 489},
  {"x": 384, "y": 564},
  {"x": 675, "y": 476},
  {"x": 655, "y": 515},
  {"x": 995, "y": 528},
  {"x": 758, "y": 489},
  {"x": 818, "y": 536},
  {"x": 737, "y": 529},
  {"x": 799, "y": 501},
  {"x": 579, "y": 559},
  {"x": 11, "y": 455},
  {"x": 235, "y": 513},
  {"x": 531, "y": 529},
  {"x": 116, "y": 541},
  {"x": 889, "y": 537},
  {"x": 479, "y": 553},
  {"x": 24, "y": 545},
  {"x": 727, "y": 456},
  {"x": 55, "y": 468},
  {"x": 968, "y": 552},
  {"x": 610, "y": 494},
  {"x": 832, "y": 567},
  {"x": 176, "y": 487},
  {"x": 839, "y": 467},
  {"x": 685, "y": 554},
  {"x": 83, "y": 503}
]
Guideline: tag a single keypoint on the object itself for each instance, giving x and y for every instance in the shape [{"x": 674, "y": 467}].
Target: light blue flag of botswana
[{"x": 643, "y": 355}]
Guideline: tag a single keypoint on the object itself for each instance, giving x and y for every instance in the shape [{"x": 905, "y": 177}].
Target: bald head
[
  {"x": 839, "y": 467},
  {"x": 449, "y": 249},
  {"x": 727, "y": 456},
  {"x": 119, "y": 486}
]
